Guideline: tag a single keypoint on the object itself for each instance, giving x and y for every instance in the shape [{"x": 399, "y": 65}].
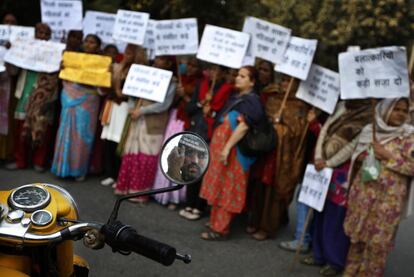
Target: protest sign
[
  {"x": 315, "y": 187},
  {"x": 61, "y": 16},
  {"x": 36, "y": 55},
  {"x": 298, "y": 57},
  {"x": 88, "y": 69},
  {"x": 147, "y": 82},
  {"x": 377, "y": 73},
  {"x": 130, "y": 26},
  {"x": 100, "y": 24},
  {"x": 223, "y": 46},
  {"x": 321, "y": 89},
  {"x": 9, "y": 33},
  {"x": 268, "y": 40},
  {"x": 176, "y": 37},
  {"x": 149, "y": 40}
]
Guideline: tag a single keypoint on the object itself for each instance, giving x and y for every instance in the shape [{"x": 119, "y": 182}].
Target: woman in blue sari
[{"x": 78, "y": 121}]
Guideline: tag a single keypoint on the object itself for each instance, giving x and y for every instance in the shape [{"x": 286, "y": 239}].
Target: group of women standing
[{"x": 357, "y": 227}]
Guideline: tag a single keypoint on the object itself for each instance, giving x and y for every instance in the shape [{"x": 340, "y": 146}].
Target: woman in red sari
[{"x": 225, "y": 183}]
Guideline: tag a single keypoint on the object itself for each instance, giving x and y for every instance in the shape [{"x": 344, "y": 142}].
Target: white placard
[
  {"x": 268, "y": 40},
  {"x": 36, "y": 55},
  {"x": 9, "y": 33},
  {"x": 147, "y": 82},
  {"x": 100, "y": 24},
  {"x": 62, "y": 16},
  {"x": 130, "y": 26},
  {"x": 315, "y": 187},
  {"x": 377, "y": 73},
  {"x": 321, "y": 89},
  {"x": 223, "y": 46},
  {"x": 298, "y": 57},
  {"x": 149, "y": 40},
  {"x": 176, "y": 37}
]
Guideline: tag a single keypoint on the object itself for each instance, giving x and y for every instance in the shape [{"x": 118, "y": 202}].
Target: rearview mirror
[{"x": 184, "y": 158}]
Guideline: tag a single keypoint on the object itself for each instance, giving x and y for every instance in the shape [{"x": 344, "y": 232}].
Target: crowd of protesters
[{"x": 62, "y": 125}]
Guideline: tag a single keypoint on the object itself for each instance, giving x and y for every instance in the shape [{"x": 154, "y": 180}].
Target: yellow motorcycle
[{"x": 39, "y": 221}]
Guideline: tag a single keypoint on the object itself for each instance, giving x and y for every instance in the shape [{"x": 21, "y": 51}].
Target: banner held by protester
[
  {"x": 321, "y": 89},
  {"x": 130, "y": 26},
  {"x": 147, "y": 82},
  {"x": 35, "y": 55},
  {"x": 268, "y": 40},
  {"x": 88, "y": 69},
  {"x": 62, "y": 16},
  {"x": 176, "y": 37},
  {"x": 223, "y": 46},
  {"x": 377, "y": 73},
  {"x": 298, "y": 57}
]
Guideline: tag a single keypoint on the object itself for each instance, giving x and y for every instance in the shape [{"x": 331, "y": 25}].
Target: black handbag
[{"x": 258, "y": 140}]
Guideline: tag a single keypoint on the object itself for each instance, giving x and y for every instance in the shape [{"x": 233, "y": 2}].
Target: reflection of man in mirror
[{"x": 187, "y": 160}]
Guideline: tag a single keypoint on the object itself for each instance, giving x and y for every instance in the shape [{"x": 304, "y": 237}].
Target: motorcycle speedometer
[
  {"x": 41, "y": 218},
  {"x": 29, "y": 198}
]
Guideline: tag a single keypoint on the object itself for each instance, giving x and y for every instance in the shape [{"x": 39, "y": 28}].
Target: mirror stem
[{"x": 114, "y": 214}]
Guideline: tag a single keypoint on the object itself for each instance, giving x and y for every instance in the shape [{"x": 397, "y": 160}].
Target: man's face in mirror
[{"x": 194, "y": 163}]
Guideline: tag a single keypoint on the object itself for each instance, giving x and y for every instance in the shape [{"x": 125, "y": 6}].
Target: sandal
[
  {"x": 310, "y": 260},
  {"x": 260, "y": 235},
  {"x": 251, "y": 230},
  {"x": 193, "y": 215},
  {"x": 328, "y": 270},
  {"x": 212, "y": 236}
]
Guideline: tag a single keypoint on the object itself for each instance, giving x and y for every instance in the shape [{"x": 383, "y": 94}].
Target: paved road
[{"x": 239, "y": 256}]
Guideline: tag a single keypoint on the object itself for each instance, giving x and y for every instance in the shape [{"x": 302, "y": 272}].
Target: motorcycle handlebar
[{"x": 125, "y": 238}]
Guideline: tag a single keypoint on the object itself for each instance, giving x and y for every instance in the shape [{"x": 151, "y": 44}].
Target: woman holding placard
[
  {"x": 334, "y": 148},
  {"x": 225, "y": 183},
  {"x": 78, "y": 121},
  {"x": 177, "y": 122},
  {"x": 144, "y": 139},
  {"x": 376, "y": 205}
]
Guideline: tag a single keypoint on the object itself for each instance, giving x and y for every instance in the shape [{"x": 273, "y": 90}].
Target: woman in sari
[
  {"x": 225, "y": 183},
  {"x": 375, "y": 207},
  {"x": 144, "y": 138},
  {"x": 78, "y": 121}
]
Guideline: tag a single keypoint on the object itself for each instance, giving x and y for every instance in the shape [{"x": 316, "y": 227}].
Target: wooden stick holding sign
[
  {"x": 177, "y": 63},
  {"x": 305, "y": 132},
  {"x": 302, "y": 238},
  {"x": 374, "y": 122},
  {"x": 283, "y": 105}
]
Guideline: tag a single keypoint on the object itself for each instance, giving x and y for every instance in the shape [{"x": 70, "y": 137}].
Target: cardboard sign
[
  {"x": 88, "y": 69},
  {"x": 315, "y": 187},
  {"x": 9, "y": 33},
  {"x": 130, "y": 26},
  {"x": 378, "y": 73},
  {"x": 321, "y": 89},
  {"x": 62, "y": 16},
  {"x": 298, "y": 57},
  {"x": 149, "y": 40},
  {"x": 147, "y": 82},
  {"x": 268, "y": 40},
  {"x": 223, "y": 46},
  {"x": 36, "y": 55},
  {"x": 176, "y": 37}
]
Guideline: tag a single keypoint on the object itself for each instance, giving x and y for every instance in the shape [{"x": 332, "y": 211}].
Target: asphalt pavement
[{"x": 238, "y": 256}]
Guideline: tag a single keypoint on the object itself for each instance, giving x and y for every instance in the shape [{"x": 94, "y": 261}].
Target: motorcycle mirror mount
[{"x": 184, "y": 159}]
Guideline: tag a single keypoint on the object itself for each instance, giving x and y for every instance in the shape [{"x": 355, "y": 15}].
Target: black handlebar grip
[{"x": 123, "y": 237}]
